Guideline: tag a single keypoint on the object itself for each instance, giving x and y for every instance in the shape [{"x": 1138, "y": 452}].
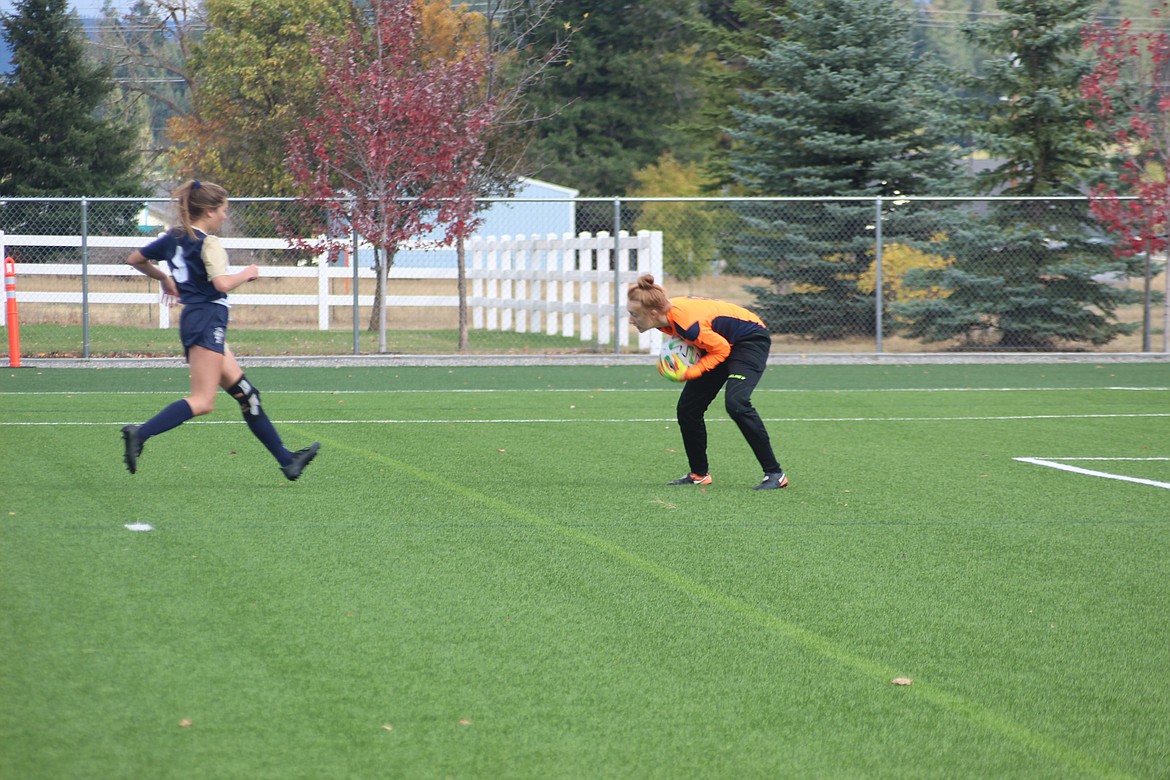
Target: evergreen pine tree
[
  {"x": 734, "y": 31},
  {"x": 844, "y": 108},
  {"x": 1032, "y": 274},
  {"x": 54, "y": 141},
  {"x": 614, "y": 107}
]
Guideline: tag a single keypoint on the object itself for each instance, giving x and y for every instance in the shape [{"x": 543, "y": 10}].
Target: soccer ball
[{"x": 675, "y": 349}]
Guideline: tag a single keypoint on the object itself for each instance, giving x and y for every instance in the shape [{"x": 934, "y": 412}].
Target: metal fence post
[
  {"x": 353, "y": 264},
  {"x": 85, "y": 277},
  {"x": 877, "y": 283},
  {"x": 617, "y": 276}
]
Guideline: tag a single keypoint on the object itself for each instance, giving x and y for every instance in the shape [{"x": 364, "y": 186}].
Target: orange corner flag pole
[{"x": 13, "y": 319}]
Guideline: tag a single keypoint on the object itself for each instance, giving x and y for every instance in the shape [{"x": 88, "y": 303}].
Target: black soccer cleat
[
  {"x": 300, "y": 459},
  {"x": 773, "y": 482},
  {"x": 133, "y": 447},
  {"x": 692, "y": 479}
]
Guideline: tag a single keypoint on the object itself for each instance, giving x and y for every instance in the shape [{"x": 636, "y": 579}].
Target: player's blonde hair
[
  {"x": 196, "y": 198},
  {"x": 647, "y": 295}
]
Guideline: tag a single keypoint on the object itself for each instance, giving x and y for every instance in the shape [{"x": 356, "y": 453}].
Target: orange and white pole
[{"x": 13, "y": 319}]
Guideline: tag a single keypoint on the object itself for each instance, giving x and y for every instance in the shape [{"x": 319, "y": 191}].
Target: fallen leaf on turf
[
  {"x": 902, "y": 681},
  {"x": 501, "y": 450},
  {"x": 387, "y": 727},
  {"x": 185, "y": 724},
  {"x": 464, "y": 722}
]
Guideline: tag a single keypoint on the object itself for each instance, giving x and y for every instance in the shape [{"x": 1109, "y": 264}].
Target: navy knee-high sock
[
  {"x": 171, "y": 417},
  {"x": 262, "y": 428}
]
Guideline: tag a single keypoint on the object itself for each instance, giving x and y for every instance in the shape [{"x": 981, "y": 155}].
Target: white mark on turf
[
  {"x": 1053, "y": 463},
  {"x": 664, "y": 389},
  {"x": 621, "y": 420}
]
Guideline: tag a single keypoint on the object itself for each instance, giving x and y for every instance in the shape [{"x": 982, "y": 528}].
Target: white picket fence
[{"x": 567, "y": 285}]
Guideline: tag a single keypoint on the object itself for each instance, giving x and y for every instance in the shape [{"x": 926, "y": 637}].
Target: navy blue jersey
[{"x": 194, "y": 262}]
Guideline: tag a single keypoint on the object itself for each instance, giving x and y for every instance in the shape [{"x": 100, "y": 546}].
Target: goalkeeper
[{"x": 735, "y": 344}]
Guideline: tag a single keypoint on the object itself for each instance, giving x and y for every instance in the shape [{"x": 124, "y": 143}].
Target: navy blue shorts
[{"x": 203, "y": 325}]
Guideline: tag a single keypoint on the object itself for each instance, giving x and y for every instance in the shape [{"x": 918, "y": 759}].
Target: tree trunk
[
  {"x": 373, "y": 326},
  {"x": 383, "y": 259},
  {"x": 1147, "y": 300}
]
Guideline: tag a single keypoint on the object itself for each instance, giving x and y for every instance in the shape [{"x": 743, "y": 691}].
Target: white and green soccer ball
[{"x": 675, "y": 352}]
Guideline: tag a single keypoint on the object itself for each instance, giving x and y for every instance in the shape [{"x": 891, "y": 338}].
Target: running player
[
  {"x": 200, "y": 279},
  {"x": 736, "y": 345}
]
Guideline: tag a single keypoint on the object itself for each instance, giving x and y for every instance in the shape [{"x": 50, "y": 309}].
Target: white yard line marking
[
  {"x": 665, "y": 389},
  {"x": 1108, "y": 458},
  {"x": 548, "y": 420},
  {"x": 1053, "y": 463}
]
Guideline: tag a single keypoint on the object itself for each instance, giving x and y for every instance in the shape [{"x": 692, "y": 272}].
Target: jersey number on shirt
[{"x": 178, "y": 267}]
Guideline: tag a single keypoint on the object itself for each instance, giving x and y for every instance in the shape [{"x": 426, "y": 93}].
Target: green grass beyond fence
[{"x": 483, "y": 575}]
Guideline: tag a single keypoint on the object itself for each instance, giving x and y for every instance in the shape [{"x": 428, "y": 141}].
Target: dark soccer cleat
[
  {"x": 773, "y": 482},
  {"x": 301, "y": 458},
  {"x": 133, "y": 447},
  {"x": 692, "y": 479}
]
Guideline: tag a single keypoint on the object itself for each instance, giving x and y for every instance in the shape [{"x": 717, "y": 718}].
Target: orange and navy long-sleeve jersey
[{"x": 712, "y": 326}]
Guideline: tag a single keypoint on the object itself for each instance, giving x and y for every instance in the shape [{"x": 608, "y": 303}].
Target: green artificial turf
[{"x": 484, "y": 576}]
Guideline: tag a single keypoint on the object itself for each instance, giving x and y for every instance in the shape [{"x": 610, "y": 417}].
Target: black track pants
[{"x": 741, "y": 373}]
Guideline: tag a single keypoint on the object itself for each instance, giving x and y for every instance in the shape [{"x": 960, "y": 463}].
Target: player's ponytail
[
  {"x": 196, "y": 198},
  {"x": 647, "y": 295}
]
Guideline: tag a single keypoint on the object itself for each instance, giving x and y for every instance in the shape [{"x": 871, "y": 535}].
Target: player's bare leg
[{"x": 205, "y": 369}]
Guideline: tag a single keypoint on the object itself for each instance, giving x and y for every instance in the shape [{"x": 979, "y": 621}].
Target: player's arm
[
  {"x": 215, "y": 260},
  {"x": 144, "y": 265},
  {"x": 715, "y": 351}
]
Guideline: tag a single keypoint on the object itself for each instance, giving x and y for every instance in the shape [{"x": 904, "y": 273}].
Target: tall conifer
[
  {"x": 843, "y": 108},
  {"x": 616, "y": 104},
  {"x": 54, "y": 140},
  {"x": 53, "y": 137},
  {"x": 1034, "y": 274}
]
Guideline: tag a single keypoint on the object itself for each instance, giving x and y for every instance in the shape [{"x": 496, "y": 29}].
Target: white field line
[
  {"x": 554, "y": 420},
  {"x": 665, "y": 389},
  {"x": 1053, "y": 463},
  {"x": 1105, "y": 458}
]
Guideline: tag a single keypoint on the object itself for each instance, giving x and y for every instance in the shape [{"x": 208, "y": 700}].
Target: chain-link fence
[{"x": 849, "y": 275}]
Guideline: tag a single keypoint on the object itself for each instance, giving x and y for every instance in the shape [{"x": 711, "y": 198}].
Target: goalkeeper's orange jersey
[{"x": 712, "y": 326}]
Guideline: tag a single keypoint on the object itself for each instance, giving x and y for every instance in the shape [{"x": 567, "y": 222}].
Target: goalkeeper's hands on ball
[{"x": 671, "y": 367}]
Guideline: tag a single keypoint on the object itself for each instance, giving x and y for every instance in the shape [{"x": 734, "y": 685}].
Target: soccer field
[{"x": 483, "y": 575}]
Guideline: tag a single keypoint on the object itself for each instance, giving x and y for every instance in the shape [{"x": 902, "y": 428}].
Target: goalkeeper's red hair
[{"x": 647, "y": 295}]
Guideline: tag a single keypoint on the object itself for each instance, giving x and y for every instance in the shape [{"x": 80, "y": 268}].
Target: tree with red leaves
[
  {"x": 1129, "y": 90},
  {"x": 398, "y": 137}
]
